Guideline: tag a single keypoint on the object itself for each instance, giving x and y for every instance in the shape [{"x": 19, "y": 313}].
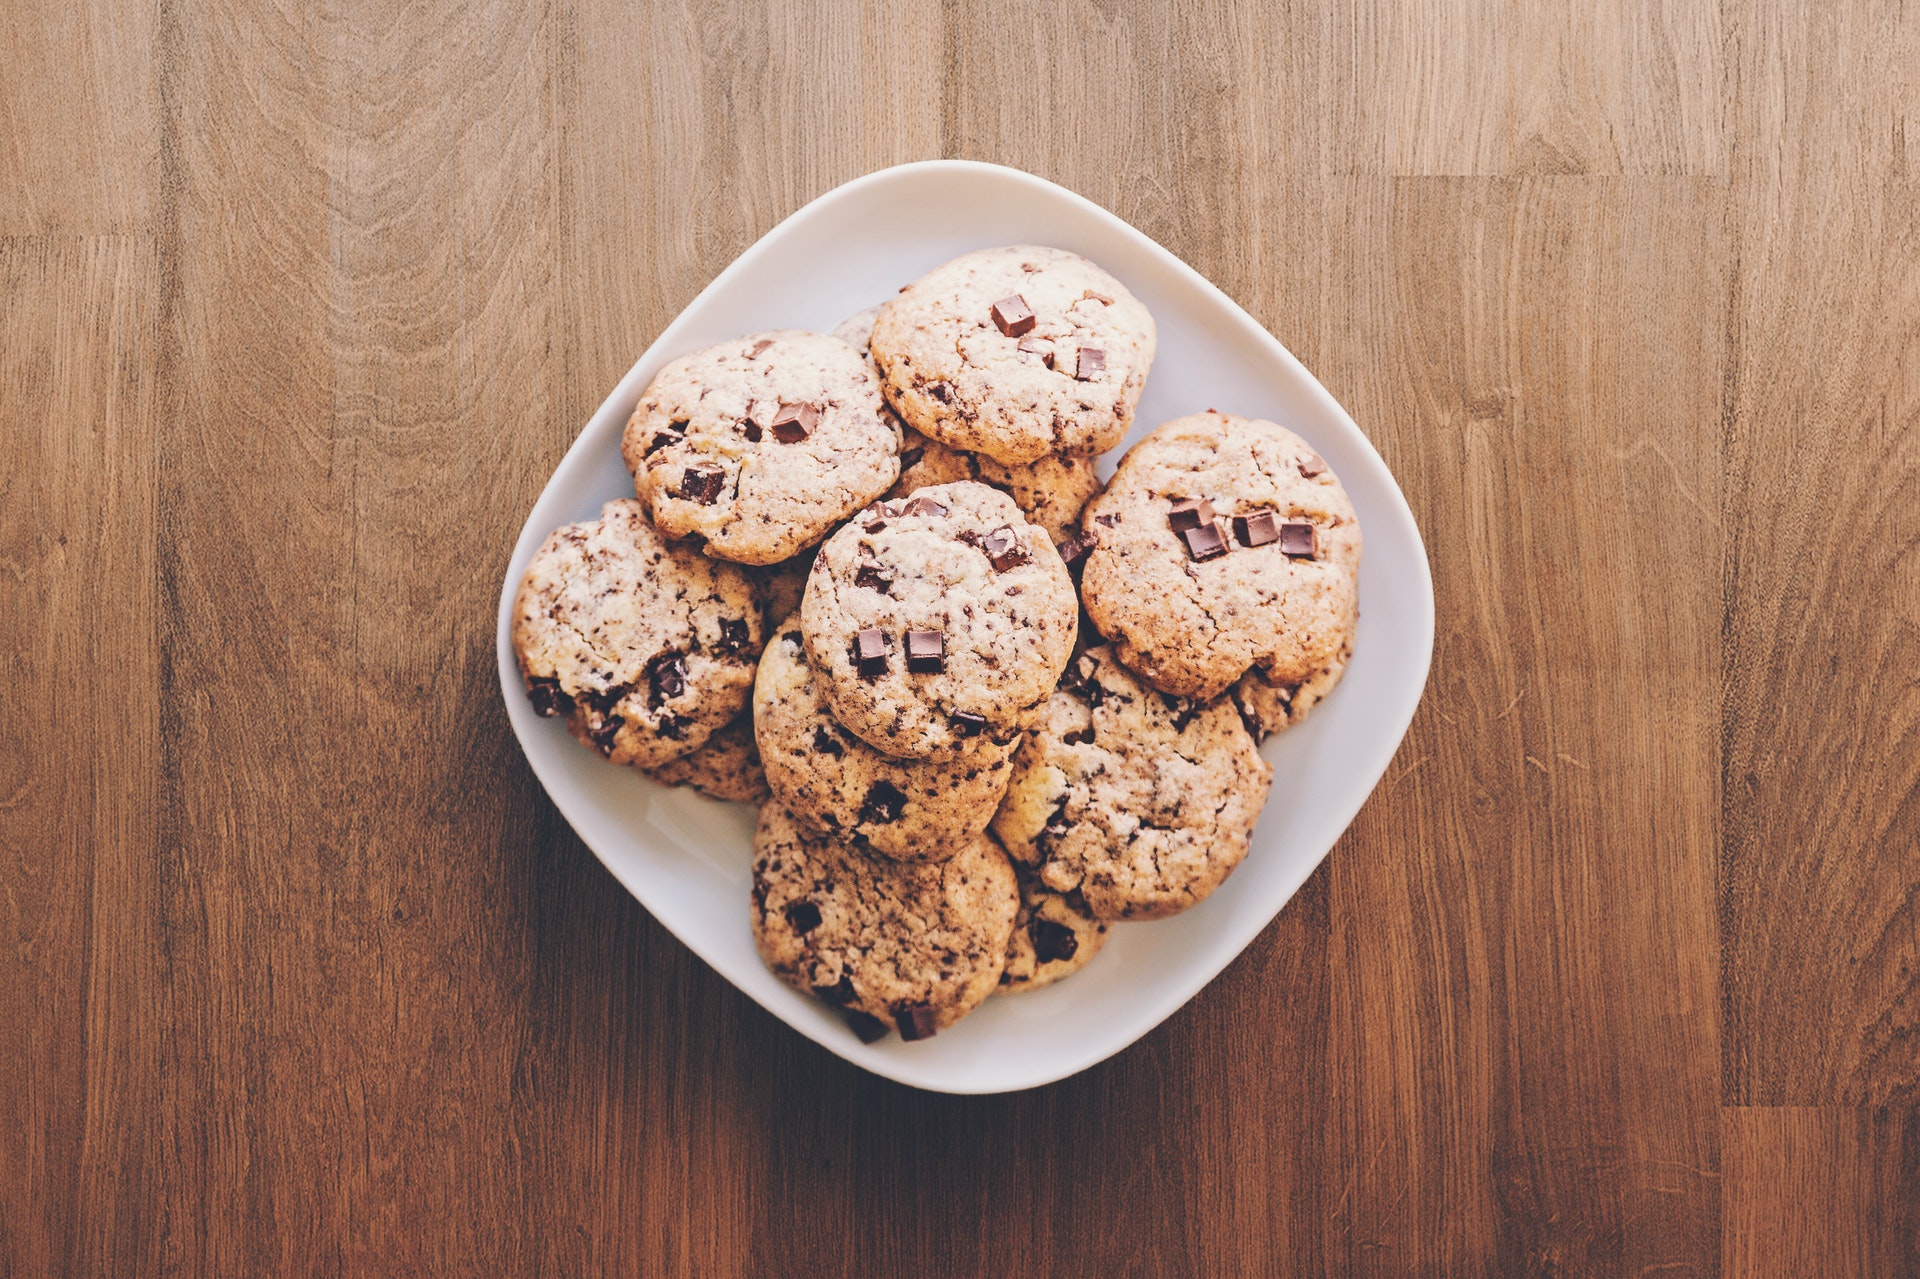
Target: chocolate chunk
[
  {"x": 660, "y": 440},
  {"x": 758, "y": 347},
  {"x": 1205, "y": 542},
  {"x": 803, "y": 916},
  {"x": 671, "y": 726},
  {"x": 1057, "y": 825},
  {"x": 923, "y": 506},
  {"x": 966, "y": 723},
  {"x": 870, "y": 653},
  {"x": 750, "y": 429},
  {"x": 794, "y": 638},
  {"x": 826, "y": 743},
  {"x": 734, "y": 634},
  {"x": 1075, "y": 548},
  {"x": 668, "y": 674},
  {"x": 911, "y": 458},
  {"x": 940, "y": 391},
  {"x": 1300, "y": 541},
  {"x": 839, "y": 994},
  {"x": 1182, "y": 708},
  {"x": 1256, "y": 529},
  {"x": 1190, "y": 514},
  {"x": 544, "y": 692},
  {"x": 926, "y": 652},
  {"x": 915, "y": 1021},
  {"x": 869, "y": 1029},
  {"x": 1037, "y": 346},
  {"x": 678, "y": 425},
  {"x": 1091, "y": 364},
  {"x": 1013, "y": 316},
  {"x": 600, "y": 701},
  {"x": 603, "y": 735},
  {"x": 884, "y": 803},
  {"x": 874, "y": 578},
  {"x": 1312, "y": 465},
  {"x": 1107, "y": 521},
  {"x": 1079, "y": 737},
  {"x": 1002, "y": 549},
  {"x": 794, "y": 422},
  {"x": 701, "y": 483},
  {"x": 1052, "y": 943}
]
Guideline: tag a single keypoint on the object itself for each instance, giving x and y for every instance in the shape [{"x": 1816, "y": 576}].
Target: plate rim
[{"x": 1398, "y": 512}]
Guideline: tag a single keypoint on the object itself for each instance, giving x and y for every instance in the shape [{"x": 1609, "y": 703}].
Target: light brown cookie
[
  {"x": 835, "y": 784},
  {"x": 1139, "y": 801},
  {"x": 1053, "y": 937},
  {"x": 760, "y": 445},
  {"x": 1016, "y": 353},
  {"x": 938, "y": 621},
  {"x": 782, "y": 586},
  {"x": 1223, "y": 543},
  {"x": 913, "y": 946},
  {"x": 725, "y": 767},
  {"x": 647, "y": 647},
  {"x": 1272, "y": 708}
]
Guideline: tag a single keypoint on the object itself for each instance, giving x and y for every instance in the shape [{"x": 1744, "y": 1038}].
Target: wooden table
[{"x": 1615, "y": 974}]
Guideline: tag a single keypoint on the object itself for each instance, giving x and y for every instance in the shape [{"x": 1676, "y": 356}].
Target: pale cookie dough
[
  {"x": 1140, "y": 801},
  {"x": 1016, "y": 353},
  {"x": 647, "y": 647},
  {"x": 727, "y": 767},
  {"x": 940, "y": 622},
  {"x": 760, "y": 445},
  {"x": 913, "y": 946},
  {"x": 1270, "y": 580},
  {"x": 1053, "y": 937},
  {"x": 835, "y": 784}
]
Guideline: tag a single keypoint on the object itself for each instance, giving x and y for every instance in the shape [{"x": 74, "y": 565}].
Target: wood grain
[{"x": 302, "y": 973}]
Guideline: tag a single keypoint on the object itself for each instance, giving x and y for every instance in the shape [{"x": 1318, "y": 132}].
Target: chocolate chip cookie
[
  {"x": 1273, "y": 708},
  {"x": 912, "y": 946},
  {"x": 1053, "y": 937},
  {"x": 835, "y": 784},
  {"x": 647, "y": 647},
  {"x": 1140, "y": 801},
  {"x": 1223, "y": 544},
  {"x": 725, "y": 767},
  {"x": 939, "y": 622},
  {"x": 1016, "y": 353},
  {"x": 760, "y": 445}
]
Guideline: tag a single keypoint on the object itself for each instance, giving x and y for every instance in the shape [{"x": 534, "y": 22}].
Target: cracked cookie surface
[
  {"x": 1140, "y": 801},
  {"x": 938, "y": 622},
  {"x": 761, "y": 444},
  {"x": 835, "y": 784},
  {"x": 1051, "y": 490},
  {"x": 1265, "y": 574},
  {"x": 726, "y": 766},
  {"x": 1053, "y": 937},
  {"x": 1016, "y": 353},
  {"x": 914, "y": 946},
  {"x": 646, "y": 646}
]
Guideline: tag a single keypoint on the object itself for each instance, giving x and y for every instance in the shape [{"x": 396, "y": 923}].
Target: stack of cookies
[{"x": 989, "y": 707}]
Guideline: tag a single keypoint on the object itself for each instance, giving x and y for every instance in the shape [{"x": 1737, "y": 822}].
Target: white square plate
[{"x": 686, "y": 858}]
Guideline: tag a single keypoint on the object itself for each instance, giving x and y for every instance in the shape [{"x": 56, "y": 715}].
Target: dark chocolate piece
[
  {"x": 870, "y": 653},
  {"x": 826, "y": 743},
  {"x": 1038, "y": 346},
  {"x": 874, "y": 578},
  {"x": 672, "y": 726},
  {"x": 966, "y": 723},
  {"x": 910, "y": 459},
  {"x": 839, "y": 994},
  {"x": 1190, "y": 514},
  {"x": 701, "y": 483},
  {"x": 1107, "y": 521},
  {"x": 1013, "y": 316},
  {"x": 750, "y": 429},
  {"x": 1312, "y": 465},
  {"x": 1205, "y": 542},
  {"x": 1002, "y": 549},
  {"x": 600, "y": 701},
  {"x": 1256, "y": 529},
  {"x": 1075, "y": 548},
  {"x": 733, "y": 634},
  {"x": 603, "y": 735},
  {"x": 940, "y": 391},
  {"x": 544, "y": 692},
  {"x": 1052, "y": 942},
  {"x": 871, "y": 1030},
  {"x": 926, "y": 652},
  {"x": 1092, "y": 362},
  {"x": 1182, "y": 708},
  {"x": 794, "y": 422},
  {"x": 1299, "y": 541},
  {"x": 660, "y": 440},
  {"x": 923, "y": 506},
  {"x": 667, "y": 672},
  {"x": 758, "y": 347},
  {"x": 678, "y": 426},
  {"x": 884, "y": 803},
  {"x": 803, "y": 916},
  {"x": 915, "y": 1021}
]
